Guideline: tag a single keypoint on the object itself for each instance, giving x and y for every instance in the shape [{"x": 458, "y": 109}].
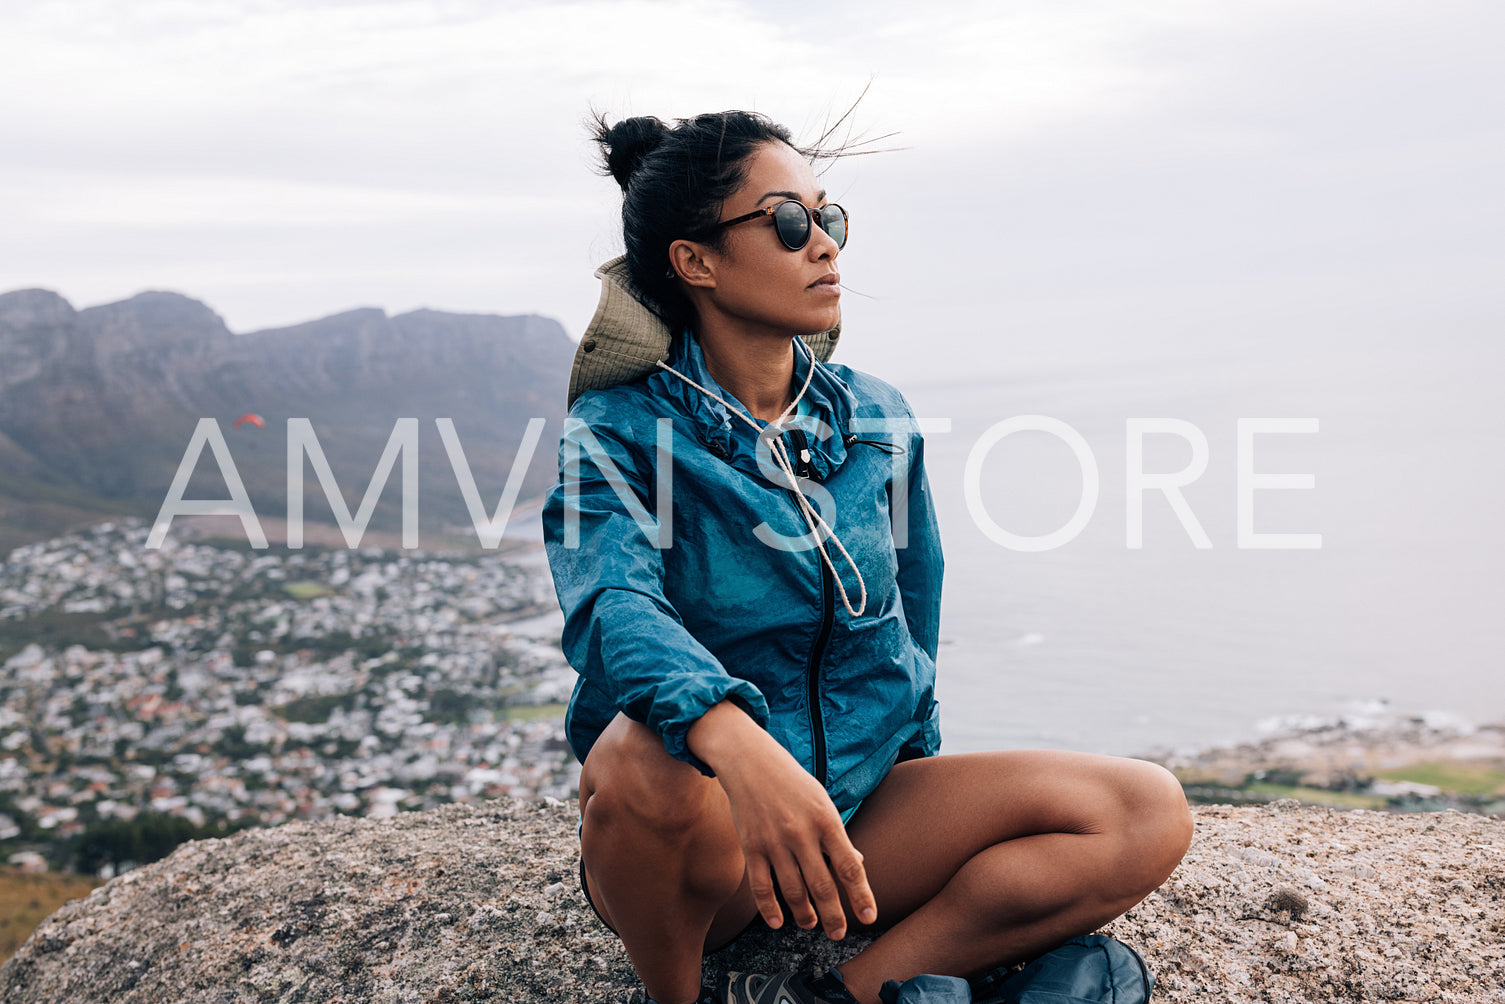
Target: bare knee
[
  {"x": 629, "y": 779},
  {"x": 1164, "y": 803},
  {"x": 1157, "y": 823},
  {"x": 654, "y": 826}
]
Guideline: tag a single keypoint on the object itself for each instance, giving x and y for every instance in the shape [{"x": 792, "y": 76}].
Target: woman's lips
[{"x": 828, "y": 284}]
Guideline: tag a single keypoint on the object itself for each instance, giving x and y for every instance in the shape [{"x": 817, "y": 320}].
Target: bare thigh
[{"x": 929, "y": 817}]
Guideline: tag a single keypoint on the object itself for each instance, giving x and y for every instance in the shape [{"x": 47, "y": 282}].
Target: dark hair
[{"x": 674, "y": 180}]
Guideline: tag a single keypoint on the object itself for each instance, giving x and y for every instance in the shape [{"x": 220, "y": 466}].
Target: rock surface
[{"x": 481, "y": 903}]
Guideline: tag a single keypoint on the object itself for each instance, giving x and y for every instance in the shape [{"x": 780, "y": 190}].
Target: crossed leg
[
  {"x": 975, "y": 860},
  {"x": 993, "y": 858}
]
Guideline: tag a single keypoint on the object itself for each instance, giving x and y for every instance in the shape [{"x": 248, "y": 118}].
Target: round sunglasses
[{"x": 792, "y": 221}]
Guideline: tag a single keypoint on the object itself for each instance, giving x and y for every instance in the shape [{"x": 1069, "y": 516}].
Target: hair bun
[{"x": 624, "y": 145}]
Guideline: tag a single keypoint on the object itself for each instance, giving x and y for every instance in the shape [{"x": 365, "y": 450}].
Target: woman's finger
[
  {"x": 760, "y": 881},
  {"x": 822, "y": 886},
  {"x": 792, "y": 884},
  {"x": 846, "y": 865}
]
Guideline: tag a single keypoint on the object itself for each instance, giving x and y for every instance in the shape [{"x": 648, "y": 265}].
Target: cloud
[
  {"x": 165, "y": 201},
  {"x": 1167, "y": 152}
]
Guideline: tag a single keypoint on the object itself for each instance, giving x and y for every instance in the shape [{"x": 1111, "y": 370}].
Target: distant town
[{"x": 217, "y": 687}]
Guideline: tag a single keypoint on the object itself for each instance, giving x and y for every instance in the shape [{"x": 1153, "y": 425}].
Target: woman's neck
[{"x": 759, "y": 372}]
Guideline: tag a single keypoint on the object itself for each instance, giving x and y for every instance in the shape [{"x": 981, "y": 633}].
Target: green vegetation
[
  {"x": 314, "y": 709},
  {"x": 1459, "y": 778},
  {"x": 1467, "y": 786},
  {"x": 451, "y": 707},
  {"x": 1268, "y": 792},
  {"x": 145, "y": 838},
  {"x": 338, "y": 749},
  {"x": 232, "y": 743},
  {"x": 150, "y": 757},
  {"x": 247, "y": 694},
  {"x": 371, "y": 645},
  {"x": 56, "y": 630},
  {"x": 29, "y": 829}
]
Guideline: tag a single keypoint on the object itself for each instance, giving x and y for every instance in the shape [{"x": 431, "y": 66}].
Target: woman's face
[{"x": 760, "y": 283}]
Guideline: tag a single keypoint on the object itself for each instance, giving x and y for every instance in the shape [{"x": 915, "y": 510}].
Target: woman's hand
[{"x": 789, "y": 830}]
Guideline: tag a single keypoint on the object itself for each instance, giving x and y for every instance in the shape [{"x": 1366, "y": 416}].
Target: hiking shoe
[{"x": 803, "y": 987}]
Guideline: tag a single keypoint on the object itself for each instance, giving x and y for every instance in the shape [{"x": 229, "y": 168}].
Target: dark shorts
[{"x": 585, "y": 888}]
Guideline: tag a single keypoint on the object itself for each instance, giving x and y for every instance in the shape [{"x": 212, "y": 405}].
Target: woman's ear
[{"x": 690, "y": 261}]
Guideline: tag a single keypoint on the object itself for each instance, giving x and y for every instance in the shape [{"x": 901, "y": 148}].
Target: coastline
[{"x": 1372, "y": 758}]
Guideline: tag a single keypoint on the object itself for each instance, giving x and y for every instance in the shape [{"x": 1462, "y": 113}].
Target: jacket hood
[{"x": 625, "y": 338}]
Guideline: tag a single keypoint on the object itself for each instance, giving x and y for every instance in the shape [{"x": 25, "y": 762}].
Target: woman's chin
[{"x": 822, "y": 321}]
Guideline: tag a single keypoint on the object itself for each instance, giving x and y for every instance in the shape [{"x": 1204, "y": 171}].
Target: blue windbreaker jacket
[{"x": 739, "y": 604}]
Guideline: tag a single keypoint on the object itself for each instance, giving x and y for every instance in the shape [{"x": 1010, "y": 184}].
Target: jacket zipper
[
  {"x": 827, "y": 618},
  {"x": 812, "y": 671}
]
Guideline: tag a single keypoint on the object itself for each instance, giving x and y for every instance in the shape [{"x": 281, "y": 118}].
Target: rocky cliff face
[
  {"x": 34, "y": 326},
  {"x": 97, "y": 406},
  {"x": 481, "y": 903}
]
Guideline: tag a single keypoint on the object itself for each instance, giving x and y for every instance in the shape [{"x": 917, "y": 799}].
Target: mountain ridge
[{"x": 98, "y": 405}]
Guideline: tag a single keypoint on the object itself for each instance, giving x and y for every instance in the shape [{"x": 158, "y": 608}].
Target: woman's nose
[{"x": 823, "y": 245}]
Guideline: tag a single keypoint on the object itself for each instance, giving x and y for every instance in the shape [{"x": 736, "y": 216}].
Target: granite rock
[{"x": 481, "y": 903}]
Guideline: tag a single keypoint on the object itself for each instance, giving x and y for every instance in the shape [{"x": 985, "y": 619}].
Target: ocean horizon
[{"x": 1099, "y": 646}]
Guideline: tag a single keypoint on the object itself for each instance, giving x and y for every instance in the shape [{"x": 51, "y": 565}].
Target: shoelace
[{"x": 780, "y": 453}]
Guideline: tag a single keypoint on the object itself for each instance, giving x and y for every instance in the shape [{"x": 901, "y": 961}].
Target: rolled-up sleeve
[{"x": 620, "y": 632}]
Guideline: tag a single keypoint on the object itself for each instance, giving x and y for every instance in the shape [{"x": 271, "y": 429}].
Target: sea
[{"x": 1370, "y": 579}]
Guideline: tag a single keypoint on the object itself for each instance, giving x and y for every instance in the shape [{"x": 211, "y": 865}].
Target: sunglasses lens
[
  {"x": 793, "y": 223},
  {"x": 833, "y": 220}
]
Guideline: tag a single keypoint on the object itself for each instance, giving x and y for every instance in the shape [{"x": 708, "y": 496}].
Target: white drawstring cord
[{"x": 781, "y": 457}]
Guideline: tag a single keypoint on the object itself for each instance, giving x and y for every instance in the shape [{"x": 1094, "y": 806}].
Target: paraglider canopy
[{"x": 255, "y": 420}]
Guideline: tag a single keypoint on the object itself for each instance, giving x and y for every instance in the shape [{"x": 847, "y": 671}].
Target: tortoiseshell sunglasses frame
[{"x": 812, "y": 219}]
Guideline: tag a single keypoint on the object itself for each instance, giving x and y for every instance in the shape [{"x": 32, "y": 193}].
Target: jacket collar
[{"x": 831, "y": 404}]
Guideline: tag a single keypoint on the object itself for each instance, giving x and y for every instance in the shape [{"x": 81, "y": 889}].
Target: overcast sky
[{"x": 1109, "y": 178}]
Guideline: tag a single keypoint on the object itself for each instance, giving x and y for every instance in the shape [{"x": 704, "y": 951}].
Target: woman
[{"x": 744, "y": 546}]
